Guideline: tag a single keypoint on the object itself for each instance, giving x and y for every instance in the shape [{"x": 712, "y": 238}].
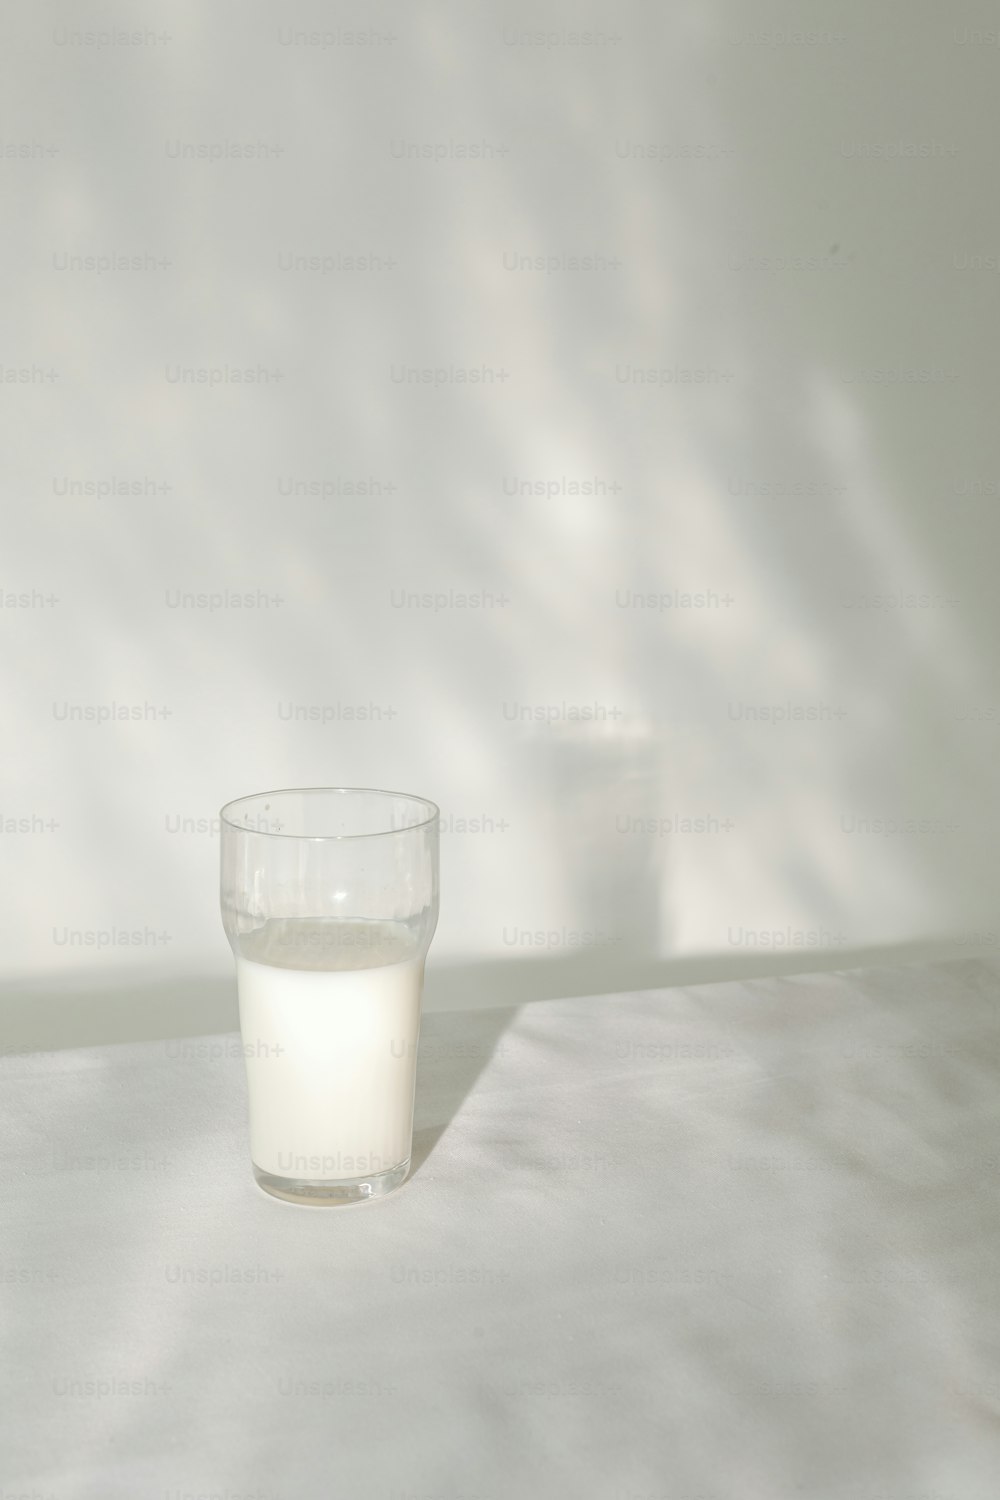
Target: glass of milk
[{"x": 330, "y": 901}]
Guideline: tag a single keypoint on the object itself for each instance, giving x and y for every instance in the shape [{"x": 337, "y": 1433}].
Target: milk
[{"x": 329, "y": 1015}]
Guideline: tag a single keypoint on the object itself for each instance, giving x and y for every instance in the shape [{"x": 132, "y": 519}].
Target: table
[{"x": 735, "y": 1240}]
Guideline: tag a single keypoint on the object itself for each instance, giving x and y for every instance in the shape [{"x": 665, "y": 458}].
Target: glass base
[{"x": 329, "y": 1193}]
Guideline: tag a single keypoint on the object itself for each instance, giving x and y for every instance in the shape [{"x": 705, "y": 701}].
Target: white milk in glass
[{"x": 330, "y": 1015}]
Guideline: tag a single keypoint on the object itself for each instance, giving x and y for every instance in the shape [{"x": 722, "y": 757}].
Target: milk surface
[{"x": 329, "y": 1014}]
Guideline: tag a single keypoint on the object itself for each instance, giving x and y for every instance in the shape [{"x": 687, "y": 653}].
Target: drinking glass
[{"x": 330, "y": 901}]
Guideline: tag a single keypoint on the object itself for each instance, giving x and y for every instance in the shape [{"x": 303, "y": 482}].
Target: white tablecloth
[{"x": 730, "y": 1241}]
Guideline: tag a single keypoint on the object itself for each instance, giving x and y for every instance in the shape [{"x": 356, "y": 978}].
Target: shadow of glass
[{"x": 455, "y": 1048}]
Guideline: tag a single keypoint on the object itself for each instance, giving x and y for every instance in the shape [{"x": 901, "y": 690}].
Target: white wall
[{"x": 897, "y": 479}]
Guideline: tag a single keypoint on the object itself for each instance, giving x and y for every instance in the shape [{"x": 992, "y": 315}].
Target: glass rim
[{"x": 283, "y": 791}]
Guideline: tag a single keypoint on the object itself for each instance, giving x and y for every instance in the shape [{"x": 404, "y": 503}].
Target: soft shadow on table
[
  {"x": 468, "y": 1008},
  {"x": 51, "y": 1012},
  {"x": 87, "y": 1010}
]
